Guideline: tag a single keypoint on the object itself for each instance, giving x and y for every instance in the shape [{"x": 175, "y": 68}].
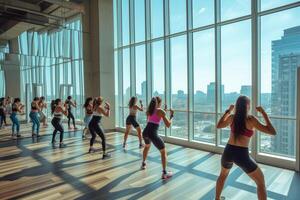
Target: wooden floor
[{"x": 31, "y": 169}]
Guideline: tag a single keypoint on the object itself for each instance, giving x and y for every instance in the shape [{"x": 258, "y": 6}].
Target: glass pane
[
  {"x": 177, "y": 16},
  {"x": 179, "y": 127},
  {"x": 140, "y": 63},
  {"x": 139, "y": 20},
  {"x": 280, "y": 48},
  {"x": 204, "y": 127},
  {"x": 204, "y": 71},
  {"x": 179, "y": 72},
  {"x": 234, "y": 8},
  {"x": 126, "y": 77},
  {"x": 115, "y": 23},
  {"x": 179, "y": 85},
  {"x": 157, "y": 18},
  {"x": 158, "y": 66},
  {"x": 269, "y": 4},
  {"x": 235, "y": 65},
  {"x": 203, "y": 13},
  {"x": 236, "y": 58},
  {"x": 125, "y": 22},
  {"x": 283, "y": 144}
]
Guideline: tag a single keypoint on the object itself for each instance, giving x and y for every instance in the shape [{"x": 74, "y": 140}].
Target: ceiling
[{"x": 17, "y": 16}]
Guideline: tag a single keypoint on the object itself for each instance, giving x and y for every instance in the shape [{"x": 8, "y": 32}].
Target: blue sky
[{"x": 235, "y": 43}]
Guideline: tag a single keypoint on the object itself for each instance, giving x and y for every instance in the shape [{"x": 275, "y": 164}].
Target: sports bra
[
  {"x": 154, "y": 118},
  {"x": 58, "y": 114},
  {"x": 247, "y": 132},
  {"x": 132, "y": 111},
  {"x": 95, "y": 113}
]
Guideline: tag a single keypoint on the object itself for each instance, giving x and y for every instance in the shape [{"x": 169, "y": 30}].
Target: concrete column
[
  {"x": 98, "y": 51},
  {"x": 106, "y": 54},
  {"x": 11, "y": 68}
]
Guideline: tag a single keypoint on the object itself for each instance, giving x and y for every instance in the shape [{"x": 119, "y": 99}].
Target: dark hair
[
  {"x": 97, "y": 102},
  {"x": 69, "y": 97},
  {"x": 42, "y": 98},
  {"x": 87, "y": 100},
  {"x": 36, "y": 99},
  {"x": 153, "y": 104},
  {"x": 132, "y": 102},
  {"x": 240, "y": 116},
  {"x": 54, "y": 103},
  {"x": 2, "y": 101},
  {"x": 17, "y": 100}
]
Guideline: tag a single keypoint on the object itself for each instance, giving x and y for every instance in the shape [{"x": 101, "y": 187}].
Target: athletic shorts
[
  {"x": 131, "y": 120},
  {"x": 240, "y": 156},
  {"x": 150, "y": 135}
]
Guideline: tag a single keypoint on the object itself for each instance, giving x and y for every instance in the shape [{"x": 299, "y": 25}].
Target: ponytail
[{"x": 152, "y": 106}]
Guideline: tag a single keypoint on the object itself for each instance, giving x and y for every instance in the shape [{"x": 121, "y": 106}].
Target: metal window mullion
[
  {"x": 167, "y": 61},
  {"x": 120, "y": 78},
  {"x": 190, "y": 71},
  {"x": 218, "y": 81},
  {"x": 297, "y": 167},
  {"x": 132, "y": 48},
  {"x": 148, "y": 46},
  {"x": 255, "y": 70}
]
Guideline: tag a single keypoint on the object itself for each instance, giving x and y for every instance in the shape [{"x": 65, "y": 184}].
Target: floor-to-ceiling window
[
  {"x": 199, "y": 56},
  {"x": 3, "y": 51},
  {"x": 54, "y": 61}
]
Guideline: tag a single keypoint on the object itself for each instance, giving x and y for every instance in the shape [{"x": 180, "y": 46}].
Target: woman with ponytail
[
  {"x": 131, "y": 120},
  {"x": 242, "y": 126},
  {"x": 58, "y": 111},
  {"x": 150, "y": 134},
  {"x": 98, "y": 112}
]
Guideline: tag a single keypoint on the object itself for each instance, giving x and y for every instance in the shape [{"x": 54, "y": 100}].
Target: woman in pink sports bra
[
  {"x": 155, "y": 114},
  {"x": 242, "y": 126}
]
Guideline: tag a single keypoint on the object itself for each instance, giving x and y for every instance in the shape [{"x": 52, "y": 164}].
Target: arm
[
  {"x": 266, "y": 128},
  {"x": 73, "y": 104},
  {"x": 105, "y": 112},
  {"x": 226, "y": 119},
  {"x": 167, "y": 121},
  {"x": 64, "y": 110},
  {"x": 139, "y": 108}
]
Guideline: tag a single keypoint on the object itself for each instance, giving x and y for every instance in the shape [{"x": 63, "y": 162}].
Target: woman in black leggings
[
  {"x": 58, "y": 111},
  {"x": 70, "y": 103},
  {"x": 98, "y": 112},
  {"x": 242, "y": 126}
]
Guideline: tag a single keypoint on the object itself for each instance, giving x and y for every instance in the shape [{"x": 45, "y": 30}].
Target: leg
[
  {"x": 139, "y": 132},
  {"x": 163, "y": 154},
  {"x": 127, "y": 131},
  {"x": 73, "y": 118},
  {"x": 69, "y": 119},
  {"x": 100, "y": 132},
  {"x": 220, "y": 181},
  {"x": 61, "y": 130},
  {"x": 145, "y": 152},
  {"x": 18, "y": 126},
  {"x": 91, "y": 128},
  {"x": 53, "y": 136},
  {"x": 259, "y": 179}
]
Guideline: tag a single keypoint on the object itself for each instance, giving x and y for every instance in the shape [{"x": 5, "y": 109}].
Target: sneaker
[
  {"x": 18, "y": 135},
  {"x": 166, "y": 175},
  {"x": 222, "y": 198},
  {"x": 91, "y": 150},
  {"x": 124, "y": 145},
  {"x": 14, "y": 137},
  {"x": 33, "y": 134},
  {"x": 106, "y": 156},
  {"x": 61, "y": 145},
  {"x": 38, "y": 136},
  {"x": 141, "y": 146},
  {"x": 144, "y": 166}
]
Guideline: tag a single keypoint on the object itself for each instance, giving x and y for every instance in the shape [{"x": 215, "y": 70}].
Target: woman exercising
[
  {"x": 34, "y": 116},
  {"x": 88, "y": 107},
  {"x": 155, "y": 114},
  {"x": 70, "y": 103},
  {"x": 131, "y": 120},
  {"x": 98, "y": 112},
  {"x": 58, "y": 111},
  {"x": 242, "y": 126},
  {"x": 2, "y": 112},
  {"x": 43, "y": 105},
  {"x": 16, "y": 108}
]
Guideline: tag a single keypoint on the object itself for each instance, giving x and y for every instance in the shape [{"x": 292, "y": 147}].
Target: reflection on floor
[{"x": 34, "y": 170}]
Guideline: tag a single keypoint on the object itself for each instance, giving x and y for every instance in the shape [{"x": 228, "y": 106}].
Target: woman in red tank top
[{"x": 242, "y": 126}]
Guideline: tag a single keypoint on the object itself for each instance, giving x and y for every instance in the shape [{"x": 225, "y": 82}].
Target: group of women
[{"x": 237, "y": 117}]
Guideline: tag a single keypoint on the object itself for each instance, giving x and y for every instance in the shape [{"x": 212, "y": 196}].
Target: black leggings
[
  {"x": 71, "y": 116},
  {"x": 240, "y": 156},
  {"x": 150, "y": 135},
  {"x": 57, "y": 127},
  {"x": 2, "y": 117},
  {"x": 96, "y": 129}
]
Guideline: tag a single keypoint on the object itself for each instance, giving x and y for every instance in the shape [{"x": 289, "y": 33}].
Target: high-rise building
[
  {"x": 246, "y": 90},
  {"x": 211, "y": 88},
  {"x": 285, "y": 60}
]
